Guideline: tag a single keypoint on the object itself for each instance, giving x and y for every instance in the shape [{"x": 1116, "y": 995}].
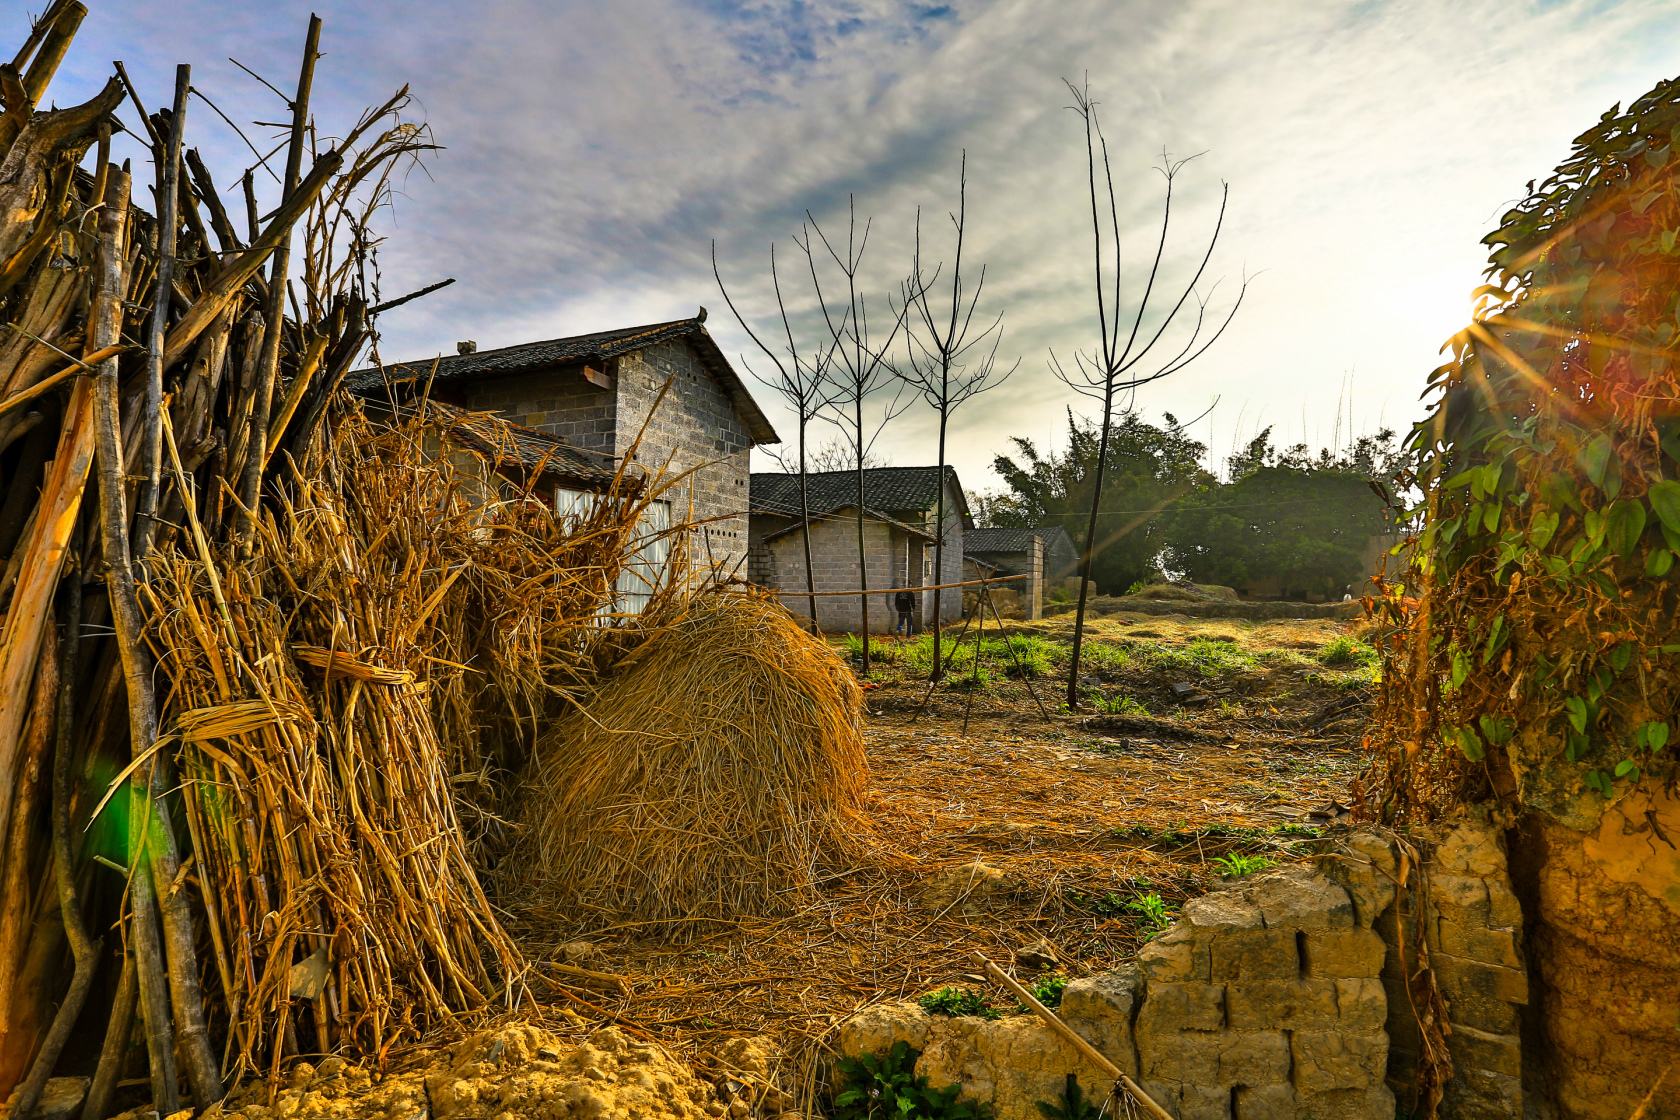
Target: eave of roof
[
  {"x": 872, "y": 514},
  {"x": 601, "y": 346}
]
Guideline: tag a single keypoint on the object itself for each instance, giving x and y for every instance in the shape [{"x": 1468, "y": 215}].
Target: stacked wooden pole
[{"x": 152, "y": 390}]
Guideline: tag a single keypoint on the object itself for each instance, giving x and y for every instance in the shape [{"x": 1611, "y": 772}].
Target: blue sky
[{"x": 594, "y": 150}]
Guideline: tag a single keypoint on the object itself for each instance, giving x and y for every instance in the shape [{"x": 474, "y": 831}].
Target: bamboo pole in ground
[{"x": 1091, "y": 1054}]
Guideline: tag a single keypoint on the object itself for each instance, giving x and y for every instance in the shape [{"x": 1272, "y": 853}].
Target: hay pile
[{"x": 711, "y": 776}]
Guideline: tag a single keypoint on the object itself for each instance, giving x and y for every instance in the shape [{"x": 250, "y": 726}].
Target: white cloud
[{"x": 594, "y": 150}]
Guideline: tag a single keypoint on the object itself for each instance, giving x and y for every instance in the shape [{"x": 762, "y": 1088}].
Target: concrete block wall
[
  {"x": 559, "y": 402},
  {"x": 1263, "y": 1003},
  {"x": 781, "y": 564},
  {"x": 696, "y": 428}
]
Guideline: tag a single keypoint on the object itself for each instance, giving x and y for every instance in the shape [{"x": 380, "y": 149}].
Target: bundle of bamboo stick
[{"x": 154, "y": 394}]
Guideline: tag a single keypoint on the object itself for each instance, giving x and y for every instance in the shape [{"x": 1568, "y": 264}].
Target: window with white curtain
[{"x": 650, "y": 559}]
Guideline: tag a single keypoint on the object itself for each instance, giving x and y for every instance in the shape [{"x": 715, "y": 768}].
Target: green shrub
[
  {"x": 1344, "y": 651},
  {"x": 885, "y": 1087},
  {"x": 958, "y": 1002},
  {"x": 1152, "y": 908},
  {"x": 1209, "y": 658},
  {"x": 1236, "y": 865},
  {"x": 1121, "y": 706},
  {"x": 1071, "y": 1104},
  {"x": 1048, "y": 989}
]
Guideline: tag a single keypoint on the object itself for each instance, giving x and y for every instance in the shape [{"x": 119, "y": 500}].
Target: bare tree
[
  {"x": 1119, "y": 366},
  {"x": 949, "y": 363},
  {"x": 801, "y": 380},
  {"x": 837, "y": 454},
  {"x": 861, "y": 373}
]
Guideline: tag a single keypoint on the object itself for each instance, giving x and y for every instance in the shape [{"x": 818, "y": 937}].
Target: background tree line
[{"x": 1284, "y": 521}]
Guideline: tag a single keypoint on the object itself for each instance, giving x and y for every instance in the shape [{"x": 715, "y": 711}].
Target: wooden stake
[{"x": 1091, "y": 1053}]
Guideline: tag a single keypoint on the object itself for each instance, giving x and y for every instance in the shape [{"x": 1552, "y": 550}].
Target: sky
[{"x": 593, "y": 152}]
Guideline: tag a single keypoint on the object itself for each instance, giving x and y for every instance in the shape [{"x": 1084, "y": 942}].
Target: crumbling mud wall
[
  {"x": 1604, "y": 920},
  {"x": 1278, "y": 998}
]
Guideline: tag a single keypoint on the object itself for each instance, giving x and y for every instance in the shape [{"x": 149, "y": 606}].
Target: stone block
[
  {"x": 1281, "y": 1004},
  {"x": 1458, "y": 976},
  {"x": 1255, "y": 954},
  {"x": 1222, "y": 911},
  {"x": 1477, "y": 1094},
  {"x": 1335, "y": 953},
  {"x": 1219, "y": 1059},
  {"x": 1470, "y": 848},
  {"x": 874, "y": 1029},
  {"x": 1462, "y": 898},
  {"x": 1170, "y": 1008},
  {"x": 1365, "y": 866},
  {"x": 1204, "y": 1102},
  {"x": 1374, "y": 1103},
  {"x": 1504, "y": 911},
  {"x": 1263, "y": 1102},
  {"x": 1177, "y": 956},
  {"x": 1478, "y": 1049},
  {"x": 1361, "y": 1003},
  {"x": 1477, "y": 943},
  {"x": 1102, "y": 1008},
  {"x": 1301, "y": 898},
  {"x": 1337, "y": 1059}
]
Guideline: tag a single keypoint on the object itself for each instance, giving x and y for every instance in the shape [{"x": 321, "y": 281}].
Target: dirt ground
[{"x": 1219, "y": 737}]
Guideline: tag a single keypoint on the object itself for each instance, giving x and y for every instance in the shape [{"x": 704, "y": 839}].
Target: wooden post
[{"x": 1091, "y": 1054}]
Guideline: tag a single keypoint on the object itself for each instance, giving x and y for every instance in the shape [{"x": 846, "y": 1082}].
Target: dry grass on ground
[{"x": 1084, "y": 816}]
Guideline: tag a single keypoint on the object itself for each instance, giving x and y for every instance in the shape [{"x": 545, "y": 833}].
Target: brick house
[
  {"x": 900, "y": 508},
  {"x": 594, "y": 394},
  {"x": 1045, "y": 555}
]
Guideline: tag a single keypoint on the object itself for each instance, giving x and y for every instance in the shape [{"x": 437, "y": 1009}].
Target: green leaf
[
  {"x": 1658, "y": 562},
  {"x": 1626, "y": 767},
  {"x": 1626, "y": 524},
  {"x": 1594, "y": 458},
  {"x": 1664, "y": 497},
  {"x": 1542, "y": 528},
  {"x": 1576, "y": 709}
]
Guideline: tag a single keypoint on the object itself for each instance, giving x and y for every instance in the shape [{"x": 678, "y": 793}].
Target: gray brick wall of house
[
  {"x": 950, "y": 601},
  {"x": 696, "y": 428},
  {"x": 780, "y": 563},
  {"x": 901, "y": 512}
]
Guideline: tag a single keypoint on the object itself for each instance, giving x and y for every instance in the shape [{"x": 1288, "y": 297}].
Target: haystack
[{"x": 712, "y": 775}]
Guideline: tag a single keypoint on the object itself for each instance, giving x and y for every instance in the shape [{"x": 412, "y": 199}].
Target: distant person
[{"x": 904, "y": 602}]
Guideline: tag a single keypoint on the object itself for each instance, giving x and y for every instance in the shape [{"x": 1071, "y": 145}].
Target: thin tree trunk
[
  {"x": 805, "y": 530},
  {"x": 1086, "y": 559},
  {"x": 939, "y": 548},
  {"x": 863, "y": 552},
  {"x": 112, "y": 1052}
]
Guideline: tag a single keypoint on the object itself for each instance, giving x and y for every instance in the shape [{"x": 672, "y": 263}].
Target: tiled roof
[
  {"x": 600, "y": 346},
  {"x": 896, "y": 490},
  {"x": 998, "y": 540},
  {"x": 533, "y": 452},
  {"x": 872, "y": 514}
]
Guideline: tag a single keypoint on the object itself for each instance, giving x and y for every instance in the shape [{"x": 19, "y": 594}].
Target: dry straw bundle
[
  {"x": 399, "y": 605},
  {"x": 712, "y": 776}
]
